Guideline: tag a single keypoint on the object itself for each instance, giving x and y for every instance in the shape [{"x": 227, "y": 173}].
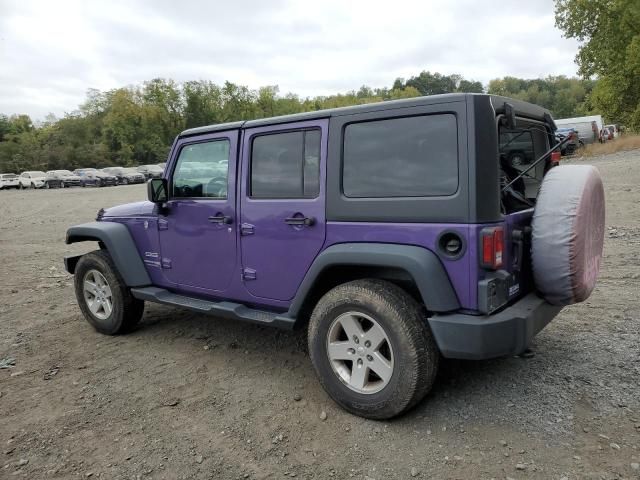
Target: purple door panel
[
  {"x": 197, "y": 251},
  {"x": 276, "y": 253}
]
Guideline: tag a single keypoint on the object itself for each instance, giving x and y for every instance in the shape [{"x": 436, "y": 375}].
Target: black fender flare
[
  {"x": 421, "y": 264},
  {"x": 120, "y": 245}
]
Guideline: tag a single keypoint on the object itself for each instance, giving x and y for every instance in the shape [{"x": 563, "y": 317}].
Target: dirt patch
[{"x": 188, "y": 396}]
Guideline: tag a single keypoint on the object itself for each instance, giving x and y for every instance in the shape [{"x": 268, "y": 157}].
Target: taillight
[
  {"x": 492, "y": 241},
  {"x": 555, "y": 157}
]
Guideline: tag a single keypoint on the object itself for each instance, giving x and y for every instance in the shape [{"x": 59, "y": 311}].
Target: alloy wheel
[
  {"x": 360, "y": 352},
  {"x": 97, "y": 294}
]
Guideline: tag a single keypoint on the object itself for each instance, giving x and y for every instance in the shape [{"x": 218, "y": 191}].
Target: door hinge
[
  {"x": 248, "y": 274},
  {"x": 163, "y": 224},
  {"x": 166, "y": 263},
  {"x": 246, "y": 229}
]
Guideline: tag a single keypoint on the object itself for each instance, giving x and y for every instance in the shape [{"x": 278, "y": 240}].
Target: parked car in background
[
  {"x": 124, "y": 175},
  {"x": 38, "y": 179},
  {"x": 95, "y": 177},
  {"x": 588, "y": 127},
  {"x": 9, "y": 180},
  {"x": 68, "y": 179},
  {"x": 162, "y": 165},
  {"x": 573, "y": 144},
  {"x": 614, "y": 129},
  {"x": 150, "y": 171}
]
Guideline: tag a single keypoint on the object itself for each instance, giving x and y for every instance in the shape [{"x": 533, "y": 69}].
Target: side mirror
[{"x": 157, "y": 190}]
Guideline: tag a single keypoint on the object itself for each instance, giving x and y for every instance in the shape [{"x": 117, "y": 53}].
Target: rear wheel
[
  {"x": 103, "y": 297},
  {"x": 372, "y": 348}
]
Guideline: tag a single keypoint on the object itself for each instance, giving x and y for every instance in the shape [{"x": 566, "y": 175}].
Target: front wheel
[
  {"x": 103, "y": 297},
  {"x": 372, "y": 349}
]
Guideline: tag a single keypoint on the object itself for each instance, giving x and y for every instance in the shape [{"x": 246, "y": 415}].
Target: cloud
[{"x": 52, "y": 52}]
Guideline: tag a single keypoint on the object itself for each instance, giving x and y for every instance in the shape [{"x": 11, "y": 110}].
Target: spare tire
[{"x": 568, "y": 234}]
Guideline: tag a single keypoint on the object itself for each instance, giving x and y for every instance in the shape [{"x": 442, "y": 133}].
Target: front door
[
  {"x": 282, "y": 205},
  {"x": 198, "y": 226}
]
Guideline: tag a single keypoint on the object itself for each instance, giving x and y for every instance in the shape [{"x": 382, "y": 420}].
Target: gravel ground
[{"x": 188, "y": 396}]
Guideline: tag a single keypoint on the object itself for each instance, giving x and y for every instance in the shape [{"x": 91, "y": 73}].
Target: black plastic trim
[
  {"x": 509, "y": 332},
  {"x": 118, "y": 242},
  {"x": 234, "y": 311},
  {"x": 421, "y": 264}
]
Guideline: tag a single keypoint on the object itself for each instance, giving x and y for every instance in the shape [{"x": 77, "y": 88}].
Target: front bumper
[{"x": 508, "y": 332}]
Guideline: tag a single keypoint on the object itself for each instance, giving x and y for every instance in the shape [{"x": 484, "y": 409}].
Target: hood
[{"x": 136, "y": 209}]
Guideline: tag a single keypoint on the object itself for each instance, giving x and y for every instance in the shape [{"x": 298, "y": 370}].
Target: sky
[{"x": 52, "y": 52}]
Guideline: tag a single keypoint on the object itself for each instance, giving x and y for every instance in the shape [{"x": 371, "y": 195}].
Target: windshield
[
  {"x": 37, "y": 174},
  {"x": 9, "y": 175},
  {"x": 153, "y": 168},
  {"x": 130, "y": 170},
  {"x": 65, "y": 173}
]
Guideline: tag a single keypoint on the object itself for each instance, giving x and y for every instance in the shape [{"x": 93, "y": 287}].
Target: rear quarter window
[{"x": 401, "y": 157}]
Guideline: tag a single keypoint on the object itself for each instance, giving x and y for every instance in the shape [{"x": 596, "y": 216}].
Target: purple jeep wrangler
[{"x": 397, "y": 232}]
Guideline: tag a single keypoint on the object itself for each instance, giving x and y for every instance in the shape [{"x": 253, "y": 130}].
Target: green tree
[{"x": 610, "y": 34}]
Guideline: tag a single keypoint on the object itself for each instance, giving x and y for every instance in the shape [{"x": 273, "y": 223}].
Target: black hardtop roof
[{"x": 521, "y": 107}]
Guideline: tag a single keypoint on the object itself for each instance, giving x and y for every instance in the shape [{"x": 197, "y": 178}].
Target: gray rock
[
  {"x": 297, "y": 397},
  {"x": 199, "y": 459},
  {"x": 521, "y": 466},
  {"x": 323, "y": 415},
  {"x": 635, "y": 466},
  {"x": 414, "y": 472},
  {"x": 22, "y": 462}
]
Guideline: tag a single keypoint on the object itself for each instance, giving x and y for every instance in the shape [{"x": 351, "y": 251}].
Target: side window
[
  {"x": 286, "y": 165},
  {"x": 202, "y": 170},
  {"x": 401, "y": 157}
]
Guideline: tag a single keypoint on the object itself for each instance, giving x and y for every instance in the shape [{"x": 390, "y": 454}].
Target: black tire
[
  {"x": 32, "y": 186},
  {"x": 415, "y": 353},
  {"x": 127, "y": 310},
  {"x": 517, "y": 159}
]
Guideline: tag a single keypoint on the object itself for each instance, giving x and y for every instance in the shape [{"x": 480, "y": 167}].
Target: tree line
[{"x": 136, "y": 125}]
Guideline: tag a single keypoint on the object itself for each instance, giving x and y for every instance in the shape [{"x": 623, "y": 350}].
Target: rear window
[
  {"x": 519, "y": 148},
  {"x": 401, "y": 157},
  {"x": 9, "y": 175}
]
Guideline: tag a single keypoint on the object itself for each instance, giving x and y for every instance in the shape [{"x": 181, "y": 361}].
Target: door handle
[
  {"x": 224, "y": 219},
  {"x": 301, "y": 221}
]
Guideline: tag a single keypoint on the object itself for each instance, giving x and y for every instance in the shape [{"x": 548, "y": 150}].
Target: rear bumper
[{"x": 508, "y": 332}]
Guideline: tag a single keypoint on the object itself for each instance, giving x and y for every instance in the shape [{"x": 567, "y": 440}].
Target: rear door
[
  {"x": 520, "y": 148},
  {"x": 282, "y": 205}
]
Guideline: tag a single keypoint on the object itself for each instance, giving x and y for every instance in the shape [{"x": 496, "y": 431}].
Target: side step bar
[{"x": 230, "y": 310}]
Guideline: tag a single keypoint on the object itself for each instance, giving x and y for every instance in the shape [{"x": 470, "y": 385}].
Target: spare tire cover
[{"x": 568, "y": 234}]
